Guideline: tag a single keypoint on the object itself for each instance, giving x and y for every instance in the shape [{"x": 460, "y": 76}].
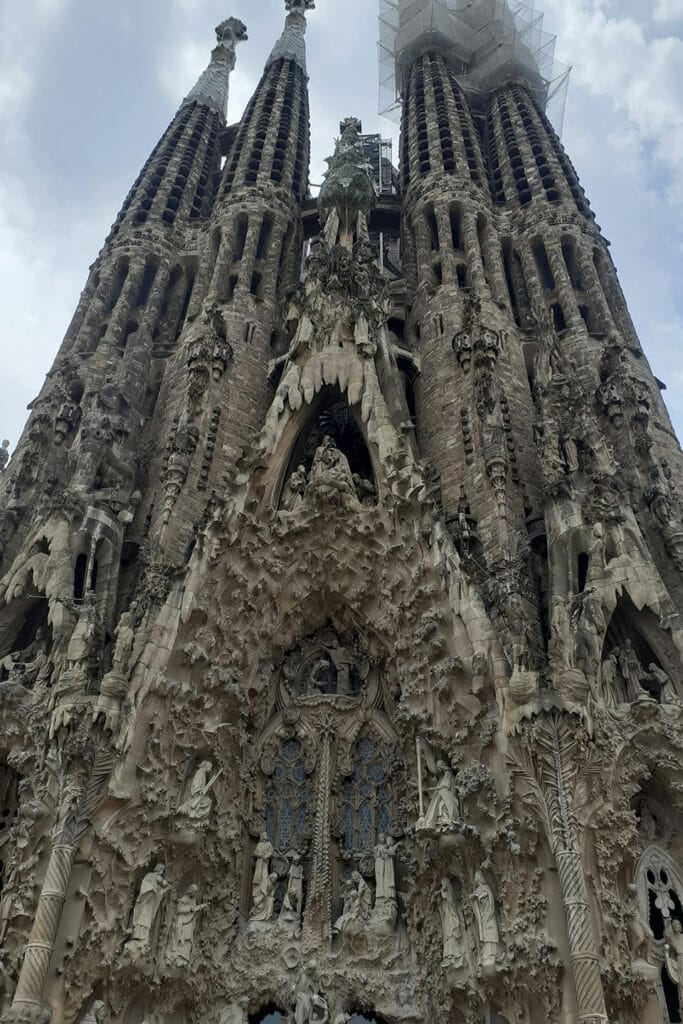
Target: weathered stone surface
[{"x": 340, "y": 638}]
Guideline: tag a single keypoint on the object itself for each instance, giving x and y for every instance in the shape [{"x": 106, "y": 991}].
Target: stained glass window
[
  {"x": 366, "y": 798},
  {"x": 286, "y": 799}
]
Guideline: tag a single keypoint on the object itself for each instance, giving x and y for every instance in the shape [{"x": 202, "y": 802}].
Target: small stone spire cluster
[{"x": 341, "y": 582}]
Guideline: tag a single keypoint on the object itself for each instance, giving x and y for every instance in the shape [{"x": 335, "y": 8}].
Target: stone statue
[
  {"x": 81, "y": 648},
  {"x": 631, "y": 671},
  {"x": 666, "y": 689},
  {"x": 596, "y": 554},
  {"x": 292, "y": 904},
  {"x": 181, "y": 940},
  {"x": 451, "y": 927},
  {"x": 152, "y": 891},
  {"x": 264, "y": 900},
  {"x": 609, "y": 672},
  {"x": 295, "y": 490},
  {"x": 4, "y": 455},
  {"x": 309, "y": 1006},
  {"x": 444, "y": 808},
  {"x": 263, "y": 852},
  {"x": 384, "y": 911},
  {"x": 330, "y": 472},
  {"x": 673, "y": 951},
  {"x": 588, "y": 624},
  {"x": 639, "y": 935},
  {"x": 197, "y": 803},
  {"x": 484, "y": 907},
  {"x": 357, "y": 899},
  {"x": 124, "y": 642}
]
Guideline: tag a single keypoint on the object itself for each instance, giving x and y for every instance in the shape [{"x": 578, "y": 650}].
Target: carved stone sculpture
[
  {"x": 292, "y": 903},
  {"x": 196, "y": 806},
  {"x": 357, "y": 899},
  {"x": 263, "y": 907},
  {"x": 96, "y": 1014},
  {"x": 152, "y": 892},
  {"x": 295, "y": 490},
  {"x": 385, "y": 908},
  {"x": 484, "y": 907},
  {"x": 663, "y": 685},
  {"x": 443, "y": 811},
  {"x": 309, "y": 1006},
  {"x": 673, "y": 950},
  {"x": 236, "y": 1013},
  {"x": 181, "y": 941},
  {"x": 631, "y": 671},
  {"x": 261, "y": 887},
  {"x": 4, "y": 455},
  {"x": 451, "y": 927}
]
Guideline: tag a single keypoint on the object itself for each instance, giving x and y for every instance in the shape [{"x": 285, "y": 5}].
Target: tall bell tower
[{"x": 340, "y": 579}]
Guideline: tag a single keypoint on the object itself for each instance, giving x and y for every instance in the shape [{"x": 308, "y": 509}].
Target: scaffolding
[{"x": 488, "y": 43}]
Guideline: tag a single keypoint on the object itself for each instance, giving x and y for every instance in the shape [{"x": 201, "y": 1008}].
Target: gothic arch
[{"x": 328, "y": 414}]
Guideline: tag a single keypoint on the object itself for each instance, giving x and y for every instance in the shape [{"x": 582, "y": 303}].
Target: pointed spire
[
  {"x": 213, "y": 85},
  {"x": 291, "y": 45}
]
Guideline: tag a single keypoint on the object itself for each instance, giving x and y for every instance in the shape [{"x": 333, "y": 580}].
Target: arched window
[
  {"x": 366, "y": 798},
  {"x": 661, "y": 895},
  {"x": 286, "y": 798}
]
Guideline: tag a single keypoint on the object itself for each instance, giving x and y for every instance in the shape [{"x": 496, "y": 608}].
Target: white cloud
[
  {"x": 667, "y": 11},
  {"x": 641, "y": 76}
]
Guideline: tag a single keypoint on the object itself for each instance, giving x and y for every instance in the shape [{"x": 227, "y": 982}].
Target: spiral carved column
[{"x": 41, "y": 942}]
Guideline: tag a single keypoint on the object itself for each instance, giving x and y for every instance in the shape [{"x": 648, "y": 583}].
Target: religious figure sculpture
[
  {"x": 309, "y": 1006},
  {"x": 667, "y": 691},
  {"x": 292, "y": 904},
  {"x": 609, "y": 672},
  {"x": 357, "y": 899},
  {"x": 181, "y": 940},
  {"x": 631, "y": 671},
  {"x": 4, "y": 455},
  {"x": 330, "y": 473},
  {"x": 80, "y": 650},
  {"x": 484, "y": 907},
  {"x": 639, "y": 935},
  {"x": 264, "y": 900},
  {"x": 152, "y": 891},
  {"x": 295, "y": 490},
  {"x": 196, "y": 807},
  {"x": 260, "y": 884},
  {"x": 384, "y": 910},
  {"x": 444, "y": 808},
  {"x": 451, "y": 927},
  {"x": 673, "y": 951},
  {"x": 125, "y": 640},
  {"x": 588, "y": 624}
]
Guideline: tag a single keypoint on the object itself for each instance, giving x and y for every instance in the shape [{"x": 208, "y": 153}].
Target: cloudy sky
[{"x": 86, "y": 88}]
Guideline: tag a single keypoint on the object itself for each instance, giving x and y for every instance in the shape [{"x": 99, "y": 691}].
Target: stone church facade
[{"x": 340, "y": 588}]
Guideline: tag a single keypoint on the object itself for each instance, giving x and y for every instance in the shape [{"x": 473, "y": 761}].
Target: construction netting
[{"x": 489, "y": 43}]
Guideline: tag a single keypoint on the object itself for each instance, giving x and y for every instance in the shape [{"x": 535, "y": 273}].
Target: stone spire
[
  {"x": 291, "y": 44},
  {"x": 213, "y": 85},
  {"x": 348, "y": 192}
]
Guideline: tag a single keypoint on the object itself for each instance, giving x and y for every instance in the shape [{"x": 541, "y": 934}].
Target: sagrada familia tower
[{"x": 341, "y": 580}]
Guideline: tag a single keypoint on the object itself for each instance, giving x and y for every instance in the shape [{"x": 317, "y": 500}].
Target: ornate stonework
[{"x": 340, "y": 637}]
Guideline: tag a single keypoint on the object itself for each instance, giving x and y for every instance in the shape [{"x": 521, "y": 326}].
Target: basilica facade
[{"x": 341, "y": 571}]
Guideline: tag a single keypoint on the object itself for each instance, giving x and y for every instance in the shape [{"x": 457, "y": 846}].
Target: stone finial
[
  {"x": 348, "y": 187},
  {"x": 299, "y": 6},
  {"x": 213, "y": 85},
  {"x": 231, "y": 31},
  {"x": 4, "y": 454}
]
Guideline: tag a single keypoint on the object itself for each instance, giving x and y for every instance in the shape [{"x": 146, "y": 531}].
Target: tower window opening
[
  {"x": 456, "y": 228},
  {"x": 544, "y": 268},
  {"x": 241, "y": 236},
  {"x": 572, "y": 264},
  {"x": 583, "y": 564},
  {"x": 461, "y": 273},
  {"x": 430, "y": 218},
  {"x": 80, "y": 570},
  {"x": 438, "y": 273},
  {"x": 264, "y": 237},
  {"x": 558, "y": 317},
  {"x": 146, "y": 283},
  {"x": 510, "y": 279}
]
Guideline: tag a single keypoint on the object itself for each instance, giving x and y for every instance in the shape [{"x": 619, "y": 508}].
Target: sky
[{"x": 87, "y": 88}]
